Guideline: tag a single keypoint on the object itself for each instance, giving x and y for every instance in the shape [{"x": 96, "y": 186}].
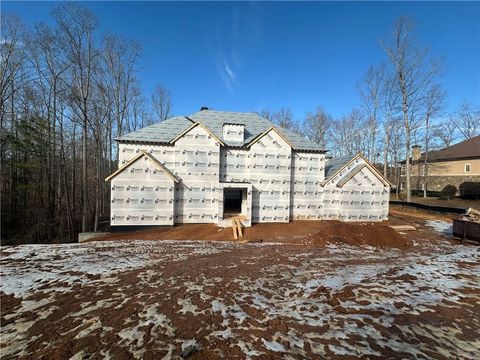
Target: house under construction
[{"x": 208, "y": 166}]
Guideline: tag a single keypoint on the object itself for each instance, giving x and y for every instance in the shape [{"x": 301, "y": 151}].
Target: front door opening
[{"x": 232, "y": 202}]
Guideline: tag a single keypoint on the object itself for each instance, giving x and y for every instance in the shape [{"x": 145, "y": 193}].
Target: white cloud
[{"x": 227, "y": 73}]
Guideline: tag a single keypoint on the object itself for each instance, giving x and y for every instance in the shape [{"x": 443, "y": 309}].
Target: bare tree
[
  {"x": 50, "y": 64},
  {"x": 12, "y": 59},
  {"x": 434, "y": 102},
  {"x": 162, "y": 103},
  {"x": 389, "y": 108},
  {"x": 467, "y": 120},
  {"x": 317, "y": 125},
  {"x": 285, "y": 119},
  {"x": 414, "y": 76},
  {"x": 65, "y": 93},
  {"x": 349, "y": 135},
  {"x": 445, "y": 132},
  {"x": 266, "y": 114},
  {"x": 371, "y": 95},
  {"x": 120, "y": 58},
  {"x": 77, "y": 26}
]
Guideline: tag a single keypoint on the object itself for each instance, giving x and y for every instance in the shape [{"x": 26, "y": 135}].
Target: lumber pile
[
  {"x": 403, "y": 227},
  {"x": 237, "y": 226},
  {"x": 472, "y": 215}
]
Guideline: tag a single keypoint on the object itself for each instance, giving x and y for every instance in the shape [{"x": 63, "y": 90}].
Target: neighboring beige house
[{"x": 454, "y": 165}]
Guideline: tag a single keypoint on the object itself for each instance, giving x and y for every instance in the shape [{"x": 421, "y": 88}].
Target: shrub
[
  {"x": 470, "y": 190},
  {"x": 449, "y": 191}
]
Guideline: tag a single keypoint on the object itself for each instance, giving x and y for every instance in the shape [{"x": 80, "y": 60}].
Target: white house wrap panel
[
  {"x": 356, "y": 193},
  {"x": 211, "y": 165},
  {"x": 197, "y": 163},
  {"x": 142, "y": 194},
  {"x": 270, "y": 176},
  {"x": 307, "y": 190}
]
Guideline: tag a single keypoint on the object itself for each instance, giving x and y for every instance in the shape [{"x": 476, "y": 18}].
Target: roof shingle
[
  {"x": 334, "y": 164},
  {"x": 463, "y": 150},
  {"x": 167, "y": 130}
]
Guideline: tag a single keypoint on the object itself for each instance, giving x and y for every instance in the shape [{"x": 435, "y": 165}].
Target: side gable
[
  {"x": 138, "y": 157},
  {"x": 265, "y": 133},
  {"x": 352, "y": 172},
  {"x": 193, "y": 126}
]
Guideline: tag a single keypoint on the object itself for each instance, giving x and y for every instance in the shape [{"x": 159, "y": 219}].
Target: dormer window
[{"x": 233, "y": 132}]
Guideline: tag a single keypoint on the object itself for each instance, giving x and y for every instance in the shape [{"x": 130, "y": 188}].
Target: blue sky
[{"x": 244, "y": 56}]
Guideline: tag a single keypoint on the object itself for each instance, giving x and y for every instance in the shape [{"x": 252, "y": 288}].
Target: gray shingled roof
[
  {"x": 334, "y": 164},
  {"x": 161, "y": 132},
  {"x": 165, "y": 131}
]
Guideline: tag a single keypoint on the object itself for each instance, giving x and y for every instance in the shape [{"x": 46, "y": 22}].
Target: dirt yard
[
  {"x": 455, "y": 202},
  {"x": 304, "y": 292},
  {"x": 298, "y": 232}
]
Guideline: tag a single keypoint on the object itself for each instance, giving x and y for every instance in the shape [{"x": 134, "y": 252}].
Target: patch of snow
[
  {"x": 273, "y": 346},
  {"x": 225, "y": 334},
  {"x": 440, "y": 226}
]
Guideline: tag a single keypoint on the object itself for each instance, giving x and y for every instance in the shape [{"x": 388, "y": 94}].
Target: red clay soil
[
  {"x": 455, "y": 202},
  {"x": 295, "y": 232},
  {"x": 372, "y": 234}
]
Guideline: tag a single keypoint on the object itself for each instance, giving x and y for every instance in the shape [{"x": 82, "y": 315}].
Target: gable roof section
[
  {"x": 254, "y": 125},
  {"x": 463, "y": 150},
  {"x": 191, "y": 127},
  {"x": 136, "y": 158},
  {"x": 347, "y": 177},
  {"x": 336, "y": 165},
  {"x": 272, "y": 128}
]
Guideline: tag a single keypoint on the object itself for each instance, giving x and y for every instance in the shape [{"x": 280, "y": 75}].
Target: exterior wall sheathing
[
  {"x": 270, "y": 176},
  {"x": 307, "y": 190},
  {"x": 142, "y": 194},
  {"x": 197, "y": 164},
  {"x": 363, "y": 197},
  {"x": 281, "y": 183}
]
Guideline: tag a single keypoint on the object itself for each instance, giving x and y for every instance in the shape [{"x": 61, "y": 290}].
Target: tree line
[
  {"x": 67, "y": 90},
  {"x": 402, "y": 103}
]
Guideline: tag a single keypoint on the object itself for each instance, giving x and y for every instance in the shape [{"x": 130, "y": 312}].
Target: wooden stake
[
  {"x": 234, "y": 228},
  {"x": 239, "y": 225}
]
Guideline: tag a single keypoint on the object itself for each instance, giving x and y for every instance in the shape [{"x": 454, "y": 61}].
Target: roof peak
[{"x": 225, "y": 112}]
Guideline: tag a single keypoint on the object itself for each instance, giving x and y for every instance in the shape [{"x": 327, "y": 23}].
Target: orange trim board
[{"x": 140, "y": 155}]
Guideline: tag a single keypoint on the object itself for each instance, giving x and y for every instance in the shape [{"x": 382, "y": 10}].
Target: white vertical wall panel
[
  {"x": 233, "y": 132},
  {"x": 163, "y": 153},
  {"x": 270, "y": 176},
  {"x": 364, "y": 198},
  {"x": 234, "y": 165},
  {"x": 308, "y": 171},
  {"x": 142, "y": 194},
  {"x": 197, "y": 164}
]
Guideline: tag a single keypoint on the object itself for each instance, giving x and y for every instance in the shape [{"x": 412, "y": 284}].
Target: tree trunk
[
  {"x": 425, "y": 162},
  {"x": 84, "y": 177}
]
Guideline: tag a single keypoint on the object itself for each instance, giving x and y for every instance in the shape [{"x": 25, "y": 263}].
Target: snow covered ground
[{"x": 162, "y": 299}]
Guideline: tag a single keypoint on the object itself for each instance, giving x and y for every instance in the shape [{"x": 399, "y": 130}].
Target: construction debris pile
[
  {"x": 467, "y": 226},
  {"x": 472, "y": 215}
]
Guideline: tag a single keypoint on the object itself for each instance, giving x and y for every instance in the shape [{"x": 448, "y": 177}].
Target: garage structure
[{"x": 211, "y": 165}]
